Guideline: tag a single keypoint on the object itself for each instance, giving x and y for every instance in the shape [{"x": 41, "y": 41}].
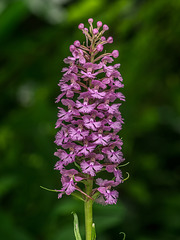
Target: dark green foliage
[{"x": 34, "y": 41}]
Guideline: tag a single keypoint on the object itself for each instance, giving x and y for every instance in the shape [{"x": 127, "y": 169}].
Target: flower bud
[
  {"x": 105, "y": 27},
  {"x": 103, "y": 39},
  {"x": 99, "y": 47},
  {"x": 99, "y": 24},
  {"x": 77, "y": 43},
  {"x": 115, "y": 53},
  {"x": 95, "y": 31},
  {"x": 90, "y": 20},
  {"x": 110, "y": 40},
  {"x": 81, "y": 26},
  {"x": 72, "y": 48},
  {"x": 86, "y": 29}
]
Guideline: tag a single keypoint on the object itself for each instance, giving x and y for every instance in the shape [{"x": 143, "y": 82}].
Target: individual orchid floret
[
  {"x": 71, "y": 69},
  {"x": 100, "y": 139},
  {"x": 113, "y": 156},
  {"x": 110, "y": 109},
  {"x": 117, "y": 172},
  {"x": 65, "y": 157},
  {"x": 78, "y": 54},
  {"x": 90, "y": 123},
  {"x": 107, "y": 196},
  {"x": 67, "y": 116},
  {"x": 78, "y": 134},
  {"x": 98, "y": 84},
  {"x": 69, "y": 181},
  {"x": 91, "y": 167},
  {"x": 85, "y": 107},
  {"x": 95, "y": 93},
  {"x": 86, "y": 149},
  {"x": 61, "y": 136}
]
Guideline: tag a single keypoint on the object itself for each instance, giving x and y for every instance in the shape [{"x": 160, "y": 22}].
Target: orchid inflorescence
[{"x": 89, "y": 121}]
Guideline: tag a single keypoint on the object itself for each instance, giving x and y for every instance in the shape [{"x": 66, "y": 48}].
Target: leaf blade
[{"x": 76, "y": 227}]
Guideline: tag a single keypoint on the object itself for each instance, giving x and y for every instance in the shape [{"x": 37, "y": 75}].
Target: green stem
[{"x": 88, "y": 211}]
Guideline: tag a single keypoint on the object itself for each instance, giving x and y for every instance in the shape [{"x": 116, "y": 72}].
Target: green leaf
[
  {"x": 76, "y": 227},
  {"x": 93, "y": 232}
]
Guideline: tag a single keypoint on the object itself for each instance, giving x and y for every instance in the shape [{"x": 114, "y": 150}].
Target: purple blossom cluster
[{"x": 88, "y": 119}]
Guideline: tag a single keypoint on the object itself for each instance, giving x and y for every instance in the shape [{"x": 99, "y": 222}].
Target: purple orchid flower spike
[{"x": 89, "y": 122}]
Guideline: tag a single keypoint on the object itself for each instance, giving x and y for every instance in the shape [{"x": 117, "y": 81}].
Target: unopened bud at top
[
  {"x": 99, "y": 24},
  {"x": 105, "y": 27},
  {"x": 110, "y": 40},
  {"x": 115, "y": 53},
  {"x": 77, "y": 43},
  {"x": 81, "y": 26},
  {"x": 72, "y": 48},
  {"x": 86, "y": 29},
  {"x": 90, "y": 20},
  {"x": 103, "y": 39},
  {"x": 95, "y": 31},
  {"x": 99, "y": 47}
]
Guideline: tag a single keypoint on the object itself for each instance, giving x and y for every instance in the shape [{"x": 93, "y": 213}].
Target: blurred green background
[{"x": 34, "y": 39}]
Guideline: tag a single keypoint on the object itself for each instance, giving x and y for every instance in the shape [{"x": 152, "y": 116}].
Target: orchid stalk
[{"x": 89, "y": 122}]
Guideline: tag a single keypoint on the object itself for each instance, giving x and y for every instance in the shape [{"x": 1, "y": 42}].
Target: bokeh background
[{"x": 34, "y": 39}]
